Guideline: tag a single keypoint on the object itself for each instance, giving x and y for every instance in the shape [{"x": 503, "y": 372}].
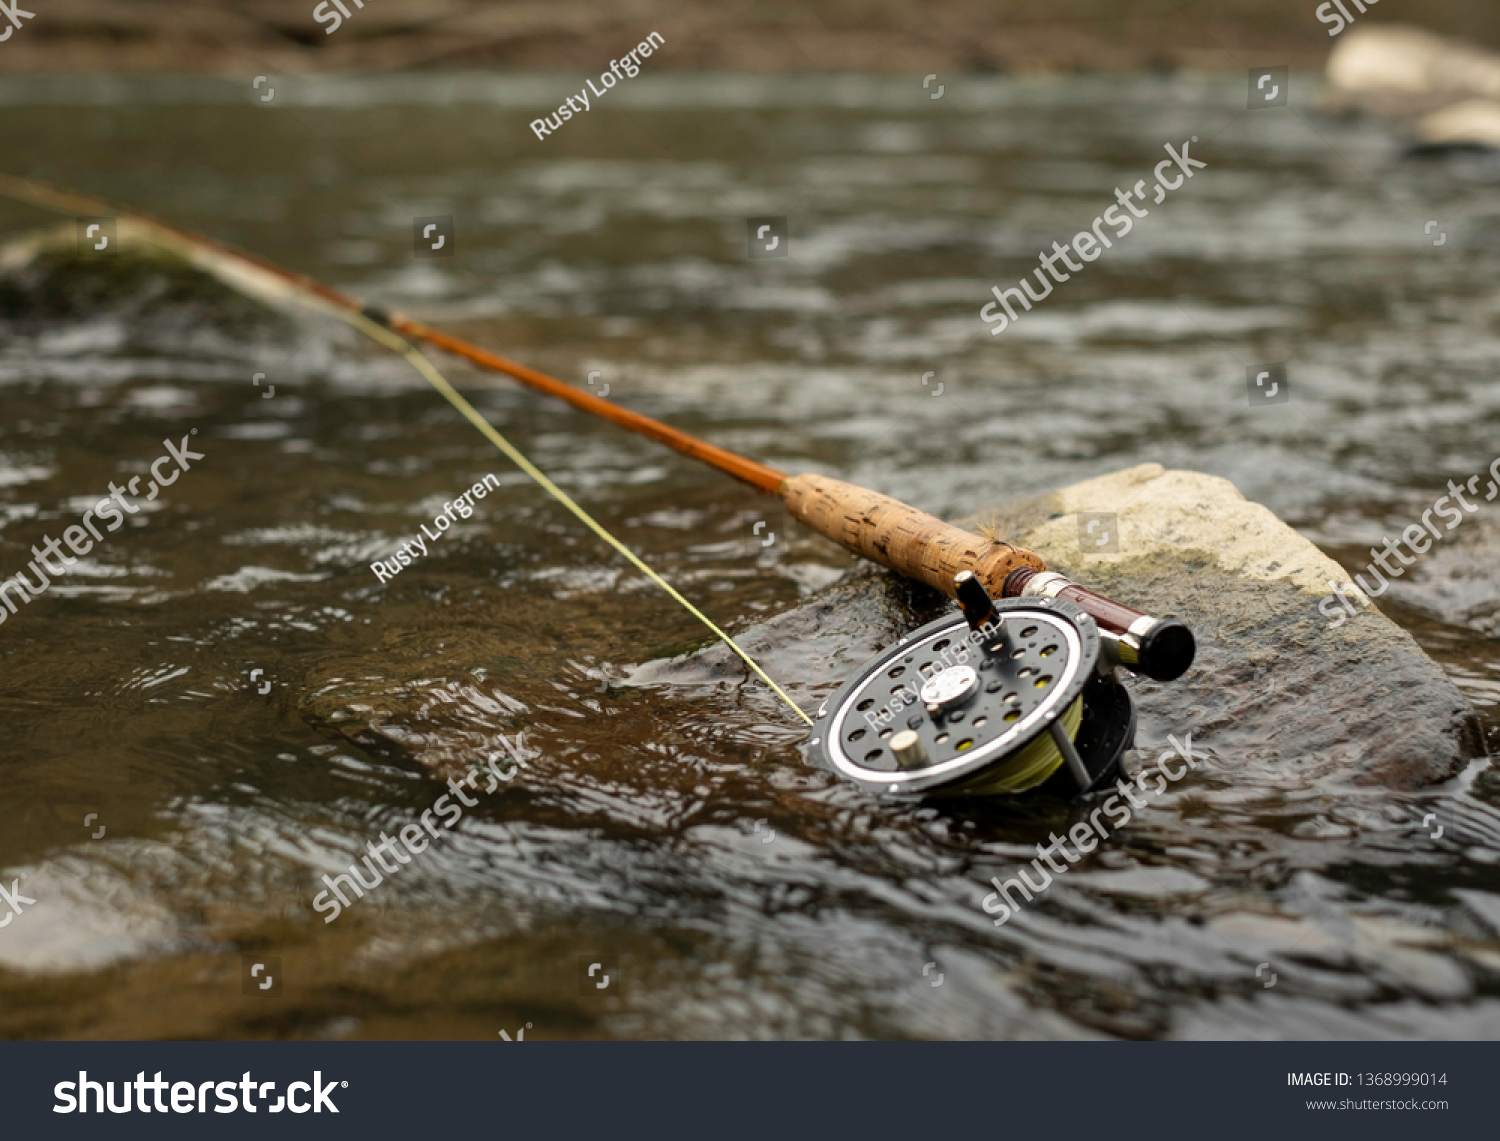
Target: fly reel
[{"x": 1009, "y": 696}]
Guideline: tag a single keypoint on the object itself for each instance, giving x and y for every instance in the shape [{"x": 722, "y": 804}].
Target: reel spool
[{"x": 1020, "y": 698}]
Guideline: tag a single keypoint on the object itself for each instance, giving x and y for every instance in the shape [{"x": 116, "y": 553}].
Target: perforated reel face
[{"x": 963, "y": 723}]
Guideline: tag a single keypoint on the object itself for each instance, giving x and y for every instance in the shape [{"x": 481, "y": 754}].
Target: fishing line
[
  {"x": 1033, "y": 764},
  {"x": 418, "y": 361},
  {"x": 315, "y": 295}
]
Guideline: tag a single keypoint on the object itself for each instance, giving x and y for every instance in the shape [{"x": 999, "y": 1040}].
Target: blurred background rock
[{"x": 183, "y": 36}]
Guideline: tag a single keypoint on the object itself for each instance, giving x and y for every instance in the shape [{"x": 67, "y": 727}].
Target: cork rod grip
[{"x": 900, "y": 537}]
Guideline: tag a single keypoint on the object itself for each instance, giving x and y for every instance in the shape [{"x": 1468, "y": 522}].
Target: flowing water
[{"x": 172, "y": 821}]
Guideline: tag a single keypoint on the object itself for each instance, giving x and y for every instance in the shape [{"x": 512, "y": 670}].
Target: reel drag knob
[{"x": 949, "y": 689}]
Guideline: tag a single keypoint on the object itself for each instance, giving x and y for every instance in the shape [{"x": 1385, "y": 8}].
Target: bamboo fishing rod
[{"x": 873, "y": 526}]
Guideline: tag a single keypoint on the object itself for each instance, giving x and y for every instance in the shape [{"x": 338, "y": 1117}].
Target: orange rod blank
[
  {"x": 757, "y": 475},
  {"x": 871, "y": 525}
]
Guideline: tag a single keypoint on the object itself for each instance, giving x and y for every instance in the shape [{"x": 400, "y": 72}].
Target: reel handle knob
[
  {"x": 973, "y": 600},
  {"x": 979, "y": 609},
  {"x": 907, "y": 748}
]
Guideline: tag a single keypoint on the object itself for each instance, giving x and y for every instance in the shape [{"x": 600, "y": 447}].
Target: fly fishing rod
[{"x": 1039, "y": 707}]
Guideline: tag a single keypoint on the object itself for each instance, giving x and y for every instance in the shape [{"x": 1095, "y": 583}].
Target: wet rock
[
  {"x": 1360, "y": 697},
  {"x": 1277, "y": 688}
]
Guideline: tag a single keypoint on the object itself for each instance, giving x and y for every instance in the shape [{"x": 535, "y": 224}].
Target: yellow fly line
[
  {"x": 307, "y": 294},
  {"x": 418, "y": 361}
]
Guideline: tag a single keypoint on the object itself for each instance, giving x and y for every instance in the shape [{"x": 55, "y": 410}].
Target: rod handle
[{"x": 906, "y": 540}]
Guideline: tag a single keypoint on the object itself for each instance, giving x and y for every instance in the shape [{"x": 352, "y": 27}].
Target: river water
[{"x": 172, "y": 821}]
